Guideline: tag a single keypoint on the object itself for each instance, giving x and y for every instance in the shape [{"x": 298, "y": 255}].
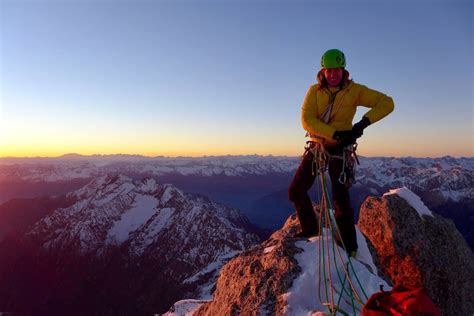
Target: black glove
[
  {"x": 358, "y": 128},
  {"x": 340, "y": 135},
  {"x": 345, "y": 138},
  {"x": 349, "y": 140}
]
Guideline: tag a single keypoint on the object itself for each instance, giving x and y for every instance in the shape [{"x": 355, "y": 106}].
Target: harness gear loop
[{"x": 321, "y": 159}]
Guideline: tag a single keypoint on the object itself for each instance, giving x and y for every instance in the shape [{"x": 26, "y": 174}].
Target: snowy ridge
[
  {"x": 59, "y": 169},
  {"x": 412, "y": 199},
  {"x": 452, "y": 178},
  {"x": 116, "y": 210},
  {"x": 105, "y": 212},
  {"x": 183, "y": 239},
  {"x": 185, "y": 307},
  {"x": 448, "y": 177}
]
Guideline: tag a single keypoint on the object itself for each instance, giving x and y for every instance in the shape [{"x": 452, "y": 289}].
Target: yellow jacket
[{"x": 344, "y": 108}]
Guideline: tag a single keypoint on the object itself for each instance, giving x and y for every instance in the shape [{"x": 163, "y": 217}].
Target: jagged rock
[
  {"x": 253, "y": 282},
  {"x": 416, "y": 250}
]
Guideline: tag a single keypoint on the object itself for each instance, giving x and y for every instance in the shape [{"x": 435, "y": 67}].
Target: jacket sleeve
[
  {"x": 309, "y": 117},
  {"x": 381, "y": 105}
]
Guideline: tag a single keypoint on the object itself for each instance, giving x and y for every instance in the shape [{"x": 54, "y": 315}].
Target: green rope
[
  {"x": 314, "y": 162},
  {"x": 331, "y": 226},
  {"x": 324, "y": 267},
  {"x": 330, "y": 219},
  {"x": 344, "y": 246},
  {"x": 351, "y": 265},
  {"x": 321, "y": 261},
  {"x": 343, "y": 288},
  {"x": 328, "y": 224},
  {"x": 353, "y": 306}
]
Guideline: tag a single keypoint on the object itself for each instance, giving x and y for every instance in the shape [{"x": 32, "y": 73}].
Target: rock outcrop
[
  {"x": 283, "y": 276},
  {"x": 254, "y": 281},
  {"x": 408, "y": 246},
  {"x": 420, "y": 250}
]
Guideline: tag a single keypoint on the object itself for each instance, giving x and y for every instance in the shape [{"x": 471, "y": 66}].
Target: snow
[
  {"x": 303, "y": 297},
  {"x": 451, "y": 176},
  {"x": 412, "y": 199},
  {"x": 142, "y": 210},
  {"x": 185, "y": 307},
  {"x": 147, "y": 185},
  {"x": 150, "y": 234},
  {"x": 363, "y": 253},
  {"x": 161, "y": 220},
  {"x": 268, "y": 249},
  {"x": 455, "y": 195},
  {"x": 169, "y": 191},
  {"x": 121, "y": 190}
]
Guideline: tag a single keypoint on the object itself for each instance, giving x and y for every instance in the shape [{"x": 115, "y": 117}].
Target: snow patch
[
  {"x": 168, "y": 192},
  {"x": 303, "y": 299},
  {"x": 142, "y": 210},
  {"x": 412, "y": 199},
  {"x": 185, "y": 308},
  {"x": 268, "y": 249},
  {"x": 161, "y": 220},
  {"x": 147, "y": 185},
  {"x": 121, "y": 190}
]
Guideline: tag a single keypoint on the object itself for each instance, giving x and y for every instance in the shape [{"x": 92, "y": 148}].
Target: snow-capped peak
[
  {"x": 115, "y": 210},
  {"x": 147, "y": 185},
  {"x": 412, "y": 199}
]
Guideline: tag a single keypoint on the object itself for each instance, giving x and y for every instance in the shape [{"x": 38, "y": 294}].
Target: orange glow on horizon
[
  {"x": 24, "y": 141},
  {"x": 22, "y": 152}
]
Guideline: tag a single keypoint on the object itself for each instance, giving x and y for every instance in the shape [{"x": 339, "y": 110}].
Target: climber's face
[{"x": 333, "y": 76}]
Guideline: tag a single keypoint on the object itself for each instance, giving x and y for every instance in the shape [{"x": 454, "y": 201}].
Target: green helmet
[{"x": 333, "y": 58}]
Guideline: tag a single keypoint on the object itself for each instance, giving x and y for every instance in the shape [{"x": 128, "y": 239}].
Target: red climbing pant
[{"x": 298, "y": 194}]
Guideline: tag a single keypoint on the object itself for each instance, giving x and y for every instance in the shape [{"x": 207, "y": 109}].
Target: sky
[{"x": 195, "y": 78}]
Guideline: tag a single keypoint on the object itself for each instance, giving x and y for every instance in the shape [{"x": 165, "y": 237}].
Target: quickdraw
[{"x": 349, "y": 159}]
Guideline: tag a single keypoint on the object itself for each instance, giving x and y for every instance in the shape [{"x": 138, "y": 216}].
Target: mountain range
[
  {"x": 257, "y": 185},
  {"x": 117, "y": 246}
]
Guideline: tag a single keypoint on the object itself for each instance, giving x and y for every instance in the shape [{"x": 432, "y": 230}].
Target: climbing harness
[
  {"x": 349, "y": 159},
  {"x": 327, "y": 252}
]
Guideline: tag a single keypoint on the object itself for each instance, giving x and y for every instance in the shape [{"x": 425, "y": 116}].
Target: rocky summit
[
  {"x": 401, "y": 242},
  {"x": 420, "y": 250}
]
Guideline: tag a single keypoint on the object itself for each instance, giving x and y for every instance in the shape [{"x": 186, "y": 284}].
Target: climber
[{"x": 327, "y": 113}]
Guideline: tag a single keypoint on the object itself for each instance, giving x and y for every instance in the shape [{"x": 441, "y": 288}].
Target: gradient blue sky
[{"x": 208, "y": 77}]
